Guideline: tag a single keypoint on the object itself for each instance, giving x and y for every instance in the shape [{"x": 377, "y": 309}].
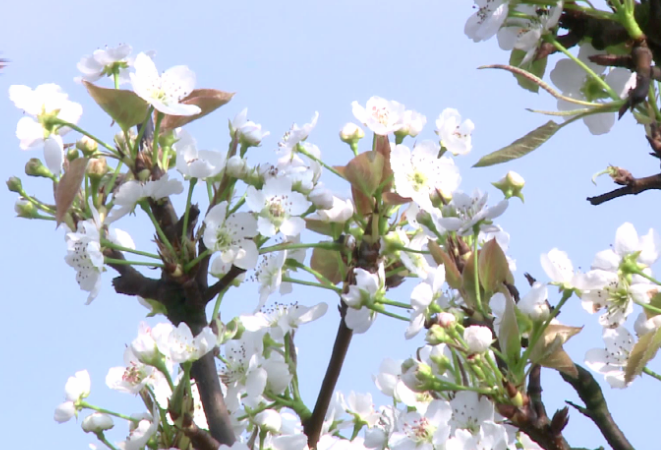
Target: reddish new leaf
[
  {"x": 208, "y": 100},
  {"x": 68, "y": 188},
  {"x": 328, "y": 263}
]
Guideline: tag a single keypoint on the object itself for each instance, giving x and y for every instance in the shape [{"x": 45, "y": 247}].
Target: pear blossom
[
  {"x": 414, "y": 261},
  {"x": 559, "y": 268},
  {"x": 194, "y": 163},
  {"x": 249, "y": 133},
  {"x": 420, "y": 173},
  {"x": 612, "y": 360},
  {"x": 76, "y": 389},
  {"x": 380, "y": 115},
  {"x": 643, "y": 325},
  {"x": 243, "y": 372},
  {"x": 144, "y": 347},
  {"x": 97, "y": 422},
  {"x": 470, "y": 410},
  {"x": 478, "y": 338},
  {"x": 164, "y": 92},
  {"x": 360, "y": 406},
  {"x": 427, "y": 431},
  {"x": 45, "y": 103},
  {"x": 178, "y": 343},
  {"x": 105, "y": 62},
  {"x": 389, "y": 382},
  {"x": 526, "y": 33},
  {"x": 277, "y": 207},
  {"x": 132, "y": 191},
  {"x": 369, "y": 287},
  {"x": 296, "y": 135},
  {"x": 534, "y": 304},
  {"x": 574, "y": 82},
  {"x": 232, "y": 236},
  {"x": 413, "y": 121},
  {"x": 141, "y": 432},
  {"x": 341, "y": 211},
  {"x": 422, "y": 297},
  {"x": 454, "y": 134},
  {"x": 269, "y": 275},
  {"x": 359, "y": 320},
  {"x": 282, "y": 319},
  {"x": 487, "y": 20},
  {"x": 131, "y": 377},
  {"x": 351, "y": 132},
  {"x": 465, "y": 212}
]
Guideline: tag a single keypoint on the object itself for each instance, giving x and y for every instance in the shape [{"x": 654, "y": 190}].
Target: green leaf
[
  {"x": 365, "y": 171},
  {"x": 328, "y": 263},
  {"x": 521, "y": 147},
  {"x": 208, "y": 101},
  {"x": 536, "y": 68},
  {"x": 68, "y": 188},
  {"x": 125, "y": 107},
  {"x": 508, "y": 334},
  {"x": 493, "y": 267},
  {"x": 468, "y": 291},
  {"x": 642, "y": 353}
]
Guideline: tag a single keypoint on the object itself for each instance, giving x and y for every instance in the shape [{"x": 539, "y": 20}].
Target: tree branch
[
  {"x": 632, "y": 186},
  {"x": 596, "y": 408},
  {"x": 221, "y": 284},
  {"x": 200, "y": 439}
]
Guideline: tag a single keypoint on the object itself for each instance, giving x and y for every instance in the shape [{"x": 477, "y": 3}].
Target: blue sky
[{"x": 285, "y": 62}]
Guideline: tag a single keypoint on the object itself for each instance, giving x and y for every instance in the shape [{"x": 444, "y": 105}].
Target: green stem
[
  {"x": 84, "y": 404},
  {"x": 396, "y": 271},
  {"x": 256, "y": 411},
  {"x": 625, "y": 15},
  {"x": 412, "y": 250},
  {"x": 146, "y": 208},
  {"x": 37, "y": 203},
  {"x": 85, "y": 133},
  {"x": 314, "y": 158},
  {"x": 157, "y": 130},
  {"x": 647, "y": 277},
  {"x": 382, "y": 310},
  {"x": 115, "y": 79},
  {"x": 191, "y": 186},
  {"x": 123, "y": 262},
  {"x": 210, "y": 190},
  {"x": 238, "y": 204},
  {"x": 476, "y": 276},
  {"x": 293, "y": 246},
  {"x": 113, "y": 180},
  {"x": 219, "y": 300},
  {"x": 109, "y": 244},
  {"x": 199, "y": 258},
  {"x": 583, "y": 66},
  {"x": 143, "y": 128},
  {"x": 651, "y": 373},
  {"x": 311, "y": 283},
  {"x": 385, "y": 301},
  {"x": 314, "y": 273},
  {"x": 102, "y": 437}
]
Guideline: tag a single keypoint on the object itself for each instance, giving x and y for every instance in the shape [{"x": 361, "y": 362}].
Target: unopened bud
[
  {"x": 511, "y": 185},
  {"x": 35, "y": 168},
  {"x": 351, "y": 133},
  {"x": 72, "y": 154},
  {"x": 414, "y": 122},
  {"x": 25, "y": 209},
  {"x": 237, "y": 167},
  {"x": 446, "y": 319},
  {"x": 144, "y": 175},
  {"x": 437, "y": 335},
  {"x": 97, "y": 168},
  {"x": 417, "y": 375},
  {"x": 97, "y": 422},
  {"x": 14, "y": 185},
  {"x": 167, "y": 139},
  {"x": 87, "y": 146}
]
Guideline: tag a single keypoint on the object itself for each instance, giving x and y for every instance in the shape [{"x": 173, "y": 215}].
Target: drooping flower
[
  {"x": 296, "y": 135},
  {"x": 164, "y": 92},
  {"x": 106, "y": 62},
  {"x": 76, "y": 389},
  {"x": 194, "y": 163},
  {"x": 574, "y": 82},
  {"x": 487, "y": 20},
  {"x": 422, "y": 297},
  {"x": 454, "y": 134},
  {"x": 465, "y": 212},
  {"x": 232, "y": 236}
]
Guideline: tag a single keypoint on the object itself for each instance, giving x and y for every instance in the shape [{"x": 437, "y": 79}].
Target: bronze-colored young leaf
[
  {"x": 643, "y": 352},
  {"x": 68, "y": 187},
  {"x": 364, "y": 204},
  {"x": 548, "y": 351},
  {"x": 208, "y": 100},
  {"x": 328, "y": 263},
  {"x": 125, "y": 107},
  {"x": 383, "y": 148},
  {"x": 394, "y": 199},
  {"x": 319, "y": 226},
  {"x": 655, "y": 301},
  {"x": 536, "y": 68},
  {"x": 508, "y": 334},
  {"x": 468, "y": 287},
  {"x": 452, "y": 274},
  {"x": 493, "y": 267},
  {"x": 521, "y": 147},
  {"x": 364, "y": 172}
]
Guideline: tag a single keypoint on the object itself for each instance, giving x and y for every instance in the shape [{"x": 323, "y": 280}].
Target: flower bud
[
  {"x": 351, "y": 133},
  {"x": 478, "y": 338},
  {"x": 511, "y": 185},
  {"x": 417, "y": 375},
  {"x": 72, "y": 154},
  {"x": 321, "y": 197},
  {"x": 87, "y": 146},
  {"x": 269, "y": 420},
  {"x": 446, "y": 320},
  {"x": 97, "y": 422},
  {"x": 35, "y": 168},
  {"x": 97, "y": 168},
  {"x": 437, "y": 335},
  {"x": 14, "y": 185},
  {"x": 414, "y": 122},
  {"x": 236, "y": 167},
  {"x": 25, "y": 209}
]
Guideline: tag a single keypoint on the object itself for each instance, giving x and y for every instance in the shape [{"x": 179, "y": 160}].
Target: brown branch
[
  {"x": 221, "y": 284},
  {"x": 200, "y": 439},
  {"x": 130, "y": 281},
  {"x": 596, "y": 408},
  {"x": 312, "y": 426},
  {"x": 632, "y": 186}
]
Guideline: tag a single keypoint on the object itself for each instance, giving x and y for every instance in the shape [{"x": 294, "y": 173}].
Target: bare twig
[{"x": 632, "y": 186}]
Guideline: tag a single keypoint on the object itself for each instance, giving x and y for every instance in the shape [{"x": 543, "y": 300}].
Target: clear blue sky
[{"x": 286, "y": 61}]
